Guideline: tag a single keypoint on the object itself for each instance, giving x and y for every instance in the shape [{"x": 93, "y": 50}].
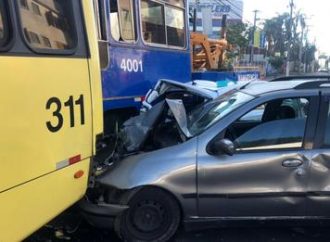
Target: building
[{"x": 210, "y": 13}]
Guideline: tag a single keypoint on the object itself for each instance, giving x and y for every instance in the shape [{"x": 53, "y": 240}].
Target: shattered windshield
[{"x": 206, "y": 115}]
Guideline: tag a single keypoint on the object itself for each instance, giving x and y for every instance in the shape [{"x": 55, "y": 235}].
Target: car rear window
[
  {"x": 4, "y": 28},
  {"x": 48, "y": 24}
]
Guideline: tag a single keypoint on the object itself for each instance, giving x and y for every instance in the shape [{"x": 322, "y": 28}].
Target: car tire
[{"x": 153, "y": 215}]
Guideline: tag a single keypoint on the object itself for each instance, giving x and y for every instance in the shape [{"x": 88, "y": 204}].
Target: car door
[
  {"x": 267, "y": 175},
  {"x": 318, "y": 196}
]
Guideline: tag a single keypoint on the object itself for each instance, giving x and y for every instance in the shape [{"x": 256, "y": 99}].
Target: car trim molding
[{"x": 257, "y": 195}]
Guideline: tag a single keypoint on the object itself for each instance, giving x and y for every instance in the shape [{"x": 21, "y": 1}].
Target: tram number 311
[
  {"x": 131, "y": 65},
  {"x": 57, "y": 106}
]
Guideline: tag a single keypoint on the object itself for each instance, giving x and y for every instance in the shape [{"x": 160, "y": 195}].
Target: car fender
[{"x": 172, "y": 169}]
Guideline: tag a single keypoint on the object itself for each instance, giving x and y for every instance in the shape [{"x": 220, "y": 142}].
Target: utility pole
[
  {"x": 195, "y": 16},
  {"x": 301, "y": 47},
  {"x": 290, "y": 39},
  {"x": 253, "y": 32},
  {"x": 306, "y": 47}
]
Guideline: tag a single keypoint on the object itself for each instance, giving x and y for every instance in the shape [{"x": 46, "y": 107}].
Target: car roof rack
[
  {"x": 313, "y": 85},
  {"x": 303, "y": 77}
]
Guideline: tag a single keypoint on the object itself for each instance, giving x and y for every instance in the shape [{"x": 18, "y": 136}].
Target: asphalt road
[{"x": 86, "y": 233}]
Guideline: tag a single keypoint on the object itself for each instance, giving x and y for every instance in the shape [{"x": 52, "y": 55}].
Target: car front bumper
[{"x": 101, "y": 215}]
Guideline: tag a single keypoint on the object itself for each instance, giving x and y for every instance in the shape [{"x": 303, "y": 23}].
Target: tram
[
  {"x": 140, "y": 41},
  {"x": 50, "y": 108}
]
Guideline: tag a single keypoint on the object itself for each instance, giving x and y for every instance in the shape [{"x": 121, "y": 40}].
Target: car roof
[
  {"x": 260, "y": 87},
  {"x": 256, "y": 88}
]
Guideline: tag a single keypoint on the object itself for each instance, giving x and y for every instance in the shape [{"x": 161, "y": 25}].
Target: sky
[{"x": 317, "y": 11}]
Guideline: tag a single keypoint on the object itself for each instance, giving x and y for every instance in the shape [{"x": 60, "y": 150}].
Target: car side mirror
[{"x": 222, "y": 146}]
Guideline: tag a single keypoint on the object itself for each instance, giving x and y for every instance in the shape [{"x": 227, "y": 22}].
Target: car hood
[
  {"x": 136, "y": 130},
  {"x": 164, "y": 86},
  {"x": 164, "y": 166},
  {"x": 207, "y": 89}
]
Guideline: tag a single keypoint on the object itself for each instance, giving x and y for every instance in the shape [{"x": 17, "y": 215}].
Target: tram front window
[
  {"x": 122, "y": 20},
  {"x": 3, "y": 25},
  {"x": 48, "y": 24},
  {"x": 2, "y": 34}
]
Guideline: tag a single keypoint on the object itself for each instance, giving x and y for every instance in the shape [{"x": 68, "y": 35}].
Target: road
[{"x": 86, "y": 233}]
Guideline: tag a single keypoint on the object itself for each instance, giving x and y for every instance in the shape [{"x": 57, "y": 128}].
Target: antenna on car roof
[{"x": 314, "y": 84}]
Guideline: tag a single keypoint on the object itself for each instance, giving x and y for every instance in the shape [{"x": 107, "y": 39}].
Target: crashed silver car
[{"x": 197, "y": 156}]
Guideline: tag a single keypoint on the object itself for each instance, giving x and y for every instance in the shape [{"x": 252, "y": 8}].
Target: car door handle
[{"x": 292, "y": 163}]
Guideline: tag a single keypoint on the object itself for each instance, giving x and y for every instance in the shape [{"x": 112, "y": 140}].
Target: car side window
[
  {"x": 254, "y": 115},
  {"x": 278, "y": 124},
  {"x": 326, "y": 141},
  {"x": 48, "y": 25}
]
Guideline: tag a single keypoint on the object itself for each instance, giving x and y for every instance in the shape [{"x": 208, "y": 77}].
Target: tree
[
  {"x": 237, "y": 36},
  {"x": 309, "y": 54},
  {"x": 276, "y": 34},
  {"x": 279, "y": 32}
]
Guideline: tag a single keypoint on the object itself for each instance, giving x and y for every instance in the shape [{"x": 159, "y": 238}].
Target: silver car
[{"x": 258, "y": 151}]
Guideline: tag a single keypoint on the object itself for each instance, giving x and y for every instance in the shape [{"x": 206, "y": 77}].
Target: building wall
[{"x": 210, "y": 12}]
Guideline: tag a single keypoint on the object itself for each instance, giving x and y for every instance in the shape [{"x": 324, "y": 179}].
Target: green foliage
[
  {"x": 276, "y": 33},
  {"x": 282, "y": 34},
  {"x": 277, "y": 62},
  {"x": 309, "y": 53},
  {"x": 237, "y": 35}
]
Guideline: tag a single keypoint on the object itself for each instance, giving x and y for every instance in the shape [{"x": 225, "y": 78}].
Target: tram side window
[
  {"x": 50, "y": 21},
  {"x": 163, "y": 23},
  {"x": 122, "y": 20},
  {"x": 153, "y": 22},
  {"x": 177, "y": 3},
  {"x": 4, "y": 31},
  {"x": 101, "y": 26},
  {"x": 175, "y": 26}
]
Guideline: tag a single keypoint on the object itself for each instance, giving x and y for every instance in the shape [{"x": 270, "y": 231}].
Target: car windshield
[{"x": 204, "y": 116}]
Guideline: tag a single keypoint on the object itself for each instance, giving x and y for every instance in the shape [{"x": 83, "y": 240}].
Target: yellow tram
[{"x": 50, "y": 109}]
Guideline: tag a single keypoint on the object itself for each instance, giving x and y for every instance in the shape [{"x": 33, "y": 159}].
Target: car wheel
[{"x": 153, "y": 215}]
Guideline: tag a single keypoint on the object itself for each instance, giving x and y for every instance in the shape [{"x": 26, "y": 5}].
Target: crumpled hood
[{"x": 136, "y": 130}]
